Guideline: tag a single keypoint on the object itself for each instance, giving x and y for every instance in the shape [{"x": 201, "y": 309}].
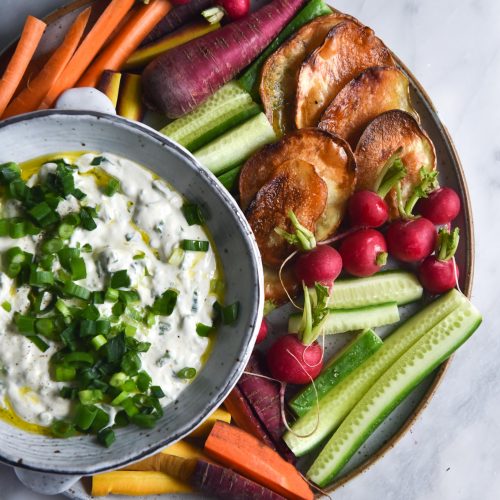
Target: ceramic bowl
[{"x": 47, "y": 132}]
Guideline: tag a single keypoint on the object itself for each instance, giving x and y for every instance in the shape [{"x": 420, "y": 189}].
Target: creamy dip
[{"x": 138, "y": 229}]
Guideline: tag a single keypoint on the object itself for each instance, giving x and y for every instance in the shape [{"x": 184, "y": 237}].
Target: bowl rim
[{"x": 255, "y": 264}]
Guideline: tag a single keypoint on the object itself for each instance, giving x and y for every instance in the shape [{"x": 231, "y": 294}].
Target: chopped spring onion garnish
[
  {"x": 195, "y": 245},
  {"x": 120, "y": 279},
  {"x": 204, "y": 330},
  {"x": 106, "y": 437},
  {"x": 77, "y": 291},
  {"x": 6, "y": 306},
  {"x": 176, "y": 257},
  {"x": 230, "y": 313},
  {"x": 84, "y": 416},
  {"x": 112, "y": 187},
  {"x": 193, "y": 214},
  {"x": 164, "y": 305},
  {"x": 65, "y": 373},
  {"x": 78, "y": 269},
  {"x": 187, "y": 373}
]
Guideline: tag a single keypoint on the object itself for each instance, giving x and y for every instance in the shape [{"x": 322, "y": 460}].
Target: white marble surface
[{"x": 453, "y": 48}]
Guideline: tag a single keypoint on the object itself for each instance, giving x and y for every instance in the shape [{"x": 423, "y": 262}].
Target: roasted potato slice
[
  {"x": 383, "y": 137},
  {"x": 279, "y": 73},
  {"x": 273, "y": 289},
  {"x": 294, "y": 186},
  {"x": 347, "y": 50},
  {"x": 332, "y": 159},
  {"x": 370, "y": 94}
]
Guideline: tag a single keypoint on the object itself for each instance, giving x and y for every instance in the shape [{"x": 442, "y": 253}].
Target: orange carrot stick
[
  {"x": 126, "y": 41},
  {"x": 88, "y": 49},
  {"x": 30, "y": 98},
  {"x": 32, "y": 33},
  {"x": 250, "y": 457}
]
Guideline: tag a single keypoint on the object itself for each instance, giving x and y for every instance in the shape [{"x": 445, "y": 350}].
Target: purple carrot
[
  {"x": 244, "y": 417},
  {"x": 264, "y": 398},
  {"x": 185, "y": 76},
  {"x": 176, "y": 18},
  {"x": 226, "y": 484}
]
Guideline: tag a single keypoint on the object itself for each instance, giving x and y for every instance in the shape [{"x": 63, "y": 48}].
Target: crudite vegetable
[
  {"x": 32, "y": 33},
  {"x": 182, "y": 78}
]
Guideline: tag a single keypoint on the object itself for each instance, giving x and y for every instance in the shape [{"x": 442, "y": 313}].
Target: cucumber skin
[
  {"x": 294, "y": 320},
  {"x": 228, "y": 179},
  {"x": 249, "y": 80},
  {"x": 338, "y": 303},
  {"x": 346, "y": 361},
  {"x": 413, "y": 356},
  {"x": 341, "y": 399},
  {"x": 231, "y": 122}
]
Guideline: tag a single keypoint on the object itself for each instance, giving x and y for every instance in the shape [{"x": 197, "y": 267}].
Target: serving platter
[{"x": 451, "y": 174}]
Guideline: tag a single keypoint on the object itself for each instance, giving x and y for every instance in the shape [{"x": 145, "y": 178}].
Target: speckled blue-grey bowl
[{"x": 56, "y": 131}]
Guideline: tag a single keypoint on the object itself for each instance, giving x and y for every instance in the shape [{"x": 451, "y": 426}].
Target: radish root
[{"x": 284, "y": 263}]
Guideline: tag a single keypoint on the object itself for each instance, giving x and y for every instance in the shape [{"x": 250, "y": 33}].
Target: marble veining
[{"x": 453, "y": 450}]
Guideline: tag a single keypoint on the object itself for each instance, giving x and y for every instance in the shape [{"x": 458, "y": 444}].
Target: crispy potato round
[
  {"x": 279, "y": 73},
  {"x": 332, "y": 159},
  {"x": 295, "y": 186},
  {"x": 381, "y": 139},
  {"x": 373, "y": 92},
  {"x": 347, "y": 50}
]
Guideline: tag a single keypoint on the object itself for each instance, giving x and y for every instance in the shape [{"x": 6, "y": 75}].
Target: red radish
[
  {"x": 441, "y": 207},
  {"x": 180, "y": 2},
  {"x": 185, "y": 76},
  {"x": 363, "y": 252},
  {"x": 322, "y": 265},
  {"x": 289, "y": 360},
  {"x": 367, "y": 209},
  {"x": 411, "y": 240},
  {"x": 264, "y": 328},
  {"x": 438, "y": 276},
  {"x": 235, "y": 9}
]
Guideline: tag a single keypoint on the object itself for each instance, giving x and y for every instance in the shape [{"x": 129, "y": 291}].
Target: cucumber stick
[
  {"x": 388, "y": 286},
  {"x": 225, "y": 109},
  {"x": 338, "y": 402},
  {"x": 229, "y": 179},
  {"x": 392, "y": 387},
  {"x": 348, "y": 320},
  {"x": 235, "y": 146},
  {"x": 346, "y": 361}
]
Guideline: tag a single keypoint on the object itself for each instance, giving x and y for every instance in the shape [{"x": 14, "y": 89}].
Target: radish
[
  {"x": 439, "y": 273},
  {"x": 411, "y": 240},
  {"x": 180, "y": 2},
  {"x": 441, "y": 207},
  {"x": 263, "y": 330},
  {"x": 438, "y": 276},
  {"x": 367, "y": 209},
  {"x": 322, "y": 265},
  {"x": 363, "y": 252},
  {"x": 185, "y": 76},
  {"x": 235, "y": 9},
  {"x": 289, "y": 360}
]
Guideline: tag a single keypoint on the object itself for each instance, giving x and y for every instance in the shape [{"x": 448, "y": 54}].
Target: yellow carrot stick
[
  {"x": 146, "y": 54},
  {"x": 203, "y": 430},
  {"x": 136, "y": 484}
]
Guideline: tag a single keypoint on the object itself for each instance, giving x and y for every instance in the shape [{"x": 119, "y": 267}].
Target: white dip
[{"x": 145, "y": 208}]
